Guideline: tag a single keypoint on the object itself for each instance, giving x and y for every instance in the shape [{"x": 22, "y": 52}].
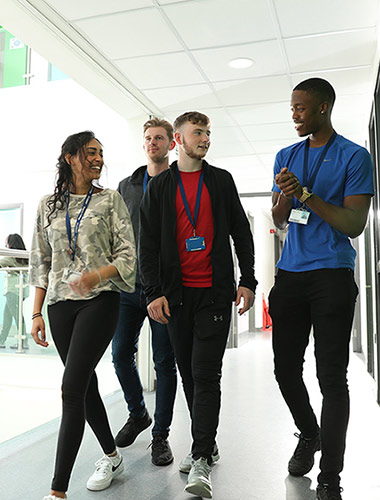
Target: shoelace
[
  {"x": 332, "y": 494},
  {"x": 103, "y": 465},
  {"x": 201, "y": 467},
  {"x": 159, "y": 443},
  {"x": 302, "y": 445}
]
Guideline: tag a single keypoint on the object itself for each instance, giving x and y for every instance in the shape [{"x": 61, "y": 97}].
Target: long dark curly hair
[
  {"x": 16, "y": 242},
  {"x": 73, "y": 145}
]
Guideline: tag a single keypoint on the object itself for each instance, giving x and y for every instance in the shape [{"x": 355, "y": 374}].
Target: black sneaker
[
  {"x": 302, "y": 460},
  {"x": 326, "y": 492},
  {"x": 129, "y": 432},
  {"x": 161, "y": 452}
]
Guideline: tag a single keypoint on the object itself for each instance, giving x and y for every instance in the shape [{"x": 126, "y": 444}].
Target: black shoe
[
  {"x": 161, "y": 452},
  {"x": 127, "y": 434},
  {"x": 326, "y": 492},
  {"x": 302, "y": 460}
]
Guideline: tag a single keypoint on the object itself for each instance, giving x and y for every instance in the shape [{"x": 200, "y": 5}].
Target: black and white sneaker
[
  {"x": 161, "y": 452},
  {"x": 302, "y": 460},
  {"x": 199, "y": 481},
  {"x": 131, "y": 429},
  {"x": 186, "y": 463},
  {"x": 107, "y": 468},
  {"x": 326, "y": 492}
]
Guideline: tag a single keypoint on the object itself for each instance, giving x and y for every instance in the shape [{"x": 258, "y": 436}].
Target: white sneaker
[
  {"x": 107, "y": 468},
  {"x": 53, "y": 497},
  {"x": 199, "y": 482},
  {"x": 185, "y": 465}
]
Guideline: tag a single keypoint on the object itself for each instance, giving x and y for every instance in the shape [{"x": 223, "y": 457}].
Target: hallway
[{"x": 255, "y": 440}]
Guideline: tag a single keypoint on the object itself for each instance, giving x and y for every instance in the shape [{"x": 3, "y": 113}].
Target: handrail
[
  {"x": 11, "y": 252},
  {"x": 10, "y": 269}
]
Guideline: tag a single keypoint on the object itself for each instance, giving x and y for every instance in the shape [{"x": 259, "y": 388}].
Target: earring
[{"x": 322, "y": 112}]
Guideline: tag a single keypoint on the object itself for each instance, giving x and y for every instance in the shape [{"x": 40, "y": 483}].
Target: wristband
[{"x": 36, "y": 315}]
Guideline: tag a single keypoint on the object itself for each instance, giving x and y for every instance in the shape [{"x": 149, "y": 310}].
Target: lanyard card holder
[
  {"x": 195, "y": 243},
  {"x": 299, "y": 216}
]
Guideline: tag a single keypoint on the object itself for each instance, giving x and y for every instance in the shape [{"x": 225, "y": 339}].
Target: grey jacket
[{"x": 131, "y": 190}]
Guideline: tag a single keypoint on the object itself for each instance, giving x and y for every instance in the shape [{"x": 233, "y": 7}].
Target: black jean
[
  {"x": 324, "y": 299},
  {"x": 198, "y": 330},
  {"x": 82, "y": 330}
]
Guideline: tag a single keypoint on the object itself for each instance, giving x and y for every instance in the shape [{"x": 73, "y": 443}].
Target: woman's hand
[
  {"x": 85, "y": 283},
  {"x": 38, "y": 326}
]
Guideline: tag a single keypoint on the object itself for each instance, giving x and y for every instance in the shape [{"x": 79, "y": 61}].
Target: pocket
[{"x": 213, "y": 320}]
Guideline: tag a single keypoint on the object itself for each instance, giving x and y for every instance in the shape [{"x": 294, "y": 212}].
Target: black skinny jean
[
  {"x": 324, "y": 299},
  {"x": 198, "y": 330},
  {"x": 82, "y": 330}
]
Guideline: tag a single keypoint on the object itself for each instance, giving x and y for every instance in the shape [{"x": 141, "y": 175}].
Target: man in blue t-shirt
[{"x": 322, "y": 189}]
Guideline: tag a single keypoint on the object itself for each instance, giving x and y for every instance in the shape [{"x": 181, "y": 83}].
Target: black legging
[{"x": 82, "y": 330}]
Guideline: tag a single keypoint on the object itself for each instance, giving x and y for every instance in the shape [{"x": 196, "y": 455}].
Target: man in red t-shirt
[{"x": 187, "y": 217}]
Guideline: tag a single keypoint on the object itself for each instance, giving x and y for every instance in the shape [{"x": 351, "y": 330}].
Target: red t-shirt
[{"x": 195, "y": 266}]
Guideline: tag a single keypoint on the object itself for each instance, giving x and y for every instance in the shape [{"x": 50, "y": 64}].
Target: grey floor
[{"x": 255, "y": 440}]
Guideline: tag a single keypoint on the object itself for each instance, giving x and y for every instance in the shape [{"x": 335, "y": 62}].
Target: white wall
[
  {"x": 259, "y": 208},
  {"x": 35, "y": 122}
]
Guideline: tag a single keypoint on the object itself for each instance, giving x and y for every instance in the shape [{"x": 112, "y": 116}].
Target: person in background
[
  {"x": 11, "y": 291},
  {"x": 158, "y": 142},
  {"x": 82, "y": 255},
  {"x": 188, "y": 214},
  {"x": 322, "y": 188}
]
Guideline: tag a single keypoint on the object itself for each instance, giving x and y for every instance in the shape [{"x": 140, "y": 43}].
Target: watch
[{"x": 305, "y": 195}]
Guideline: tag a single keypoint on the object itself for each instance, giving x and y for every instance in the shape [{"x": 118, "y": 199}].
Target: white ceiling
[{"x": 164, "y": 57}]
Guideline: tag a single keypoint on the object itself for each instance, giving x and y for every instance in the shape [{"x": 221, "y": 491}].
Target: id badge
[
  {"x": 299, "y": 216},
  {"x": 69, "y": 275},
  {"x": 195, "y": 243}
]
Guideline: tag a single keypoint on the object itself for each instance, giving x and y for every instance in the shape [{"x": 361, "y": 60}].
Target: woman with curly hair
[{"x": 82, "y": 255}]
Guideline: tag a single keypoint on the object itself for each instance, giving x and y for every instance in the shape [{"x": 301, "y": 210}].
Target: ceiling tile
[
  {"x": 340, "y": 50},
  {"x": 254, "y": 91},
  {"x": 226, "y": 135},
  {"x": 221, "y": 149},
  {"x": 266, "y": 131},
  {"x": 344, "y": 81},
  {"x": 217, "y": 116},
  {"x": 261, "y": 113},
  {"x": 125, "y": 35},
  {"x": 72, "y": 9},
  {"x": 152, "y": 72},
  {"x": 221, "y": 22},
  {"x": 300, "y": 17},
  {"x": 165, "y": 2},
  {"x": 267, "y": 57},
  {"x": 183, "y": 98},
  {"x": 272, "y": 146}
]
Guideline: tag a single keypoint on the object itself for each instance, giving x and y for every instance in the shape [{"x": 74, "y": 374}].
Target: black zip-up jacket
[
  {"x": 158, "y": 251},
  {"x": 131, "y": 190}
]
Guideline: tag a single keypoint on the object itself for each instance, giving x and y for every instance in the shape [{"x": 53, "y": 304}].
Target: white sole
[{"x": 103, "y": 486}]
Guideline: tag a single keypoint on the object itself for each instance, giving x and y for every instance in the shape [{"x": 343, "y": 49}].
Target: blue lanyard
[
  {"x": 193, "y": 222},
  {"x": 310, "y": 182},
  {"x": 73, "y": 248},
  {"x": 146, "y": 178}
]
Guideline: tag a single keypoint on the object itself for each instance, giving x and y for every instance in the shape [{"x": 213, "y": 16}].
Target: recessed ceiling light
[{"x": 240, "y": 63}]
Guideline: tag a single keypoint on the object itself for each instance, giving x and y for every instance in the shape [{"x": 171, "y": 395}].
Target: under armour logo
[{"x": 218, "y": 318}]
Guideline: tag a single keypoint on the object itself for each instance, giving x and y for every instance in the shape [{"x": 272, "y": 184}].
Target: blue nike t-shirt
[{"x": 345, "y": 171}]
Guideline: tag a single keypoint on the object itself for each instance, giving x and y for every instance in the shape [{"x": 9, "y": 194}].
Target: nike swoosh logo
[{"x": 117, "y": 466}]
